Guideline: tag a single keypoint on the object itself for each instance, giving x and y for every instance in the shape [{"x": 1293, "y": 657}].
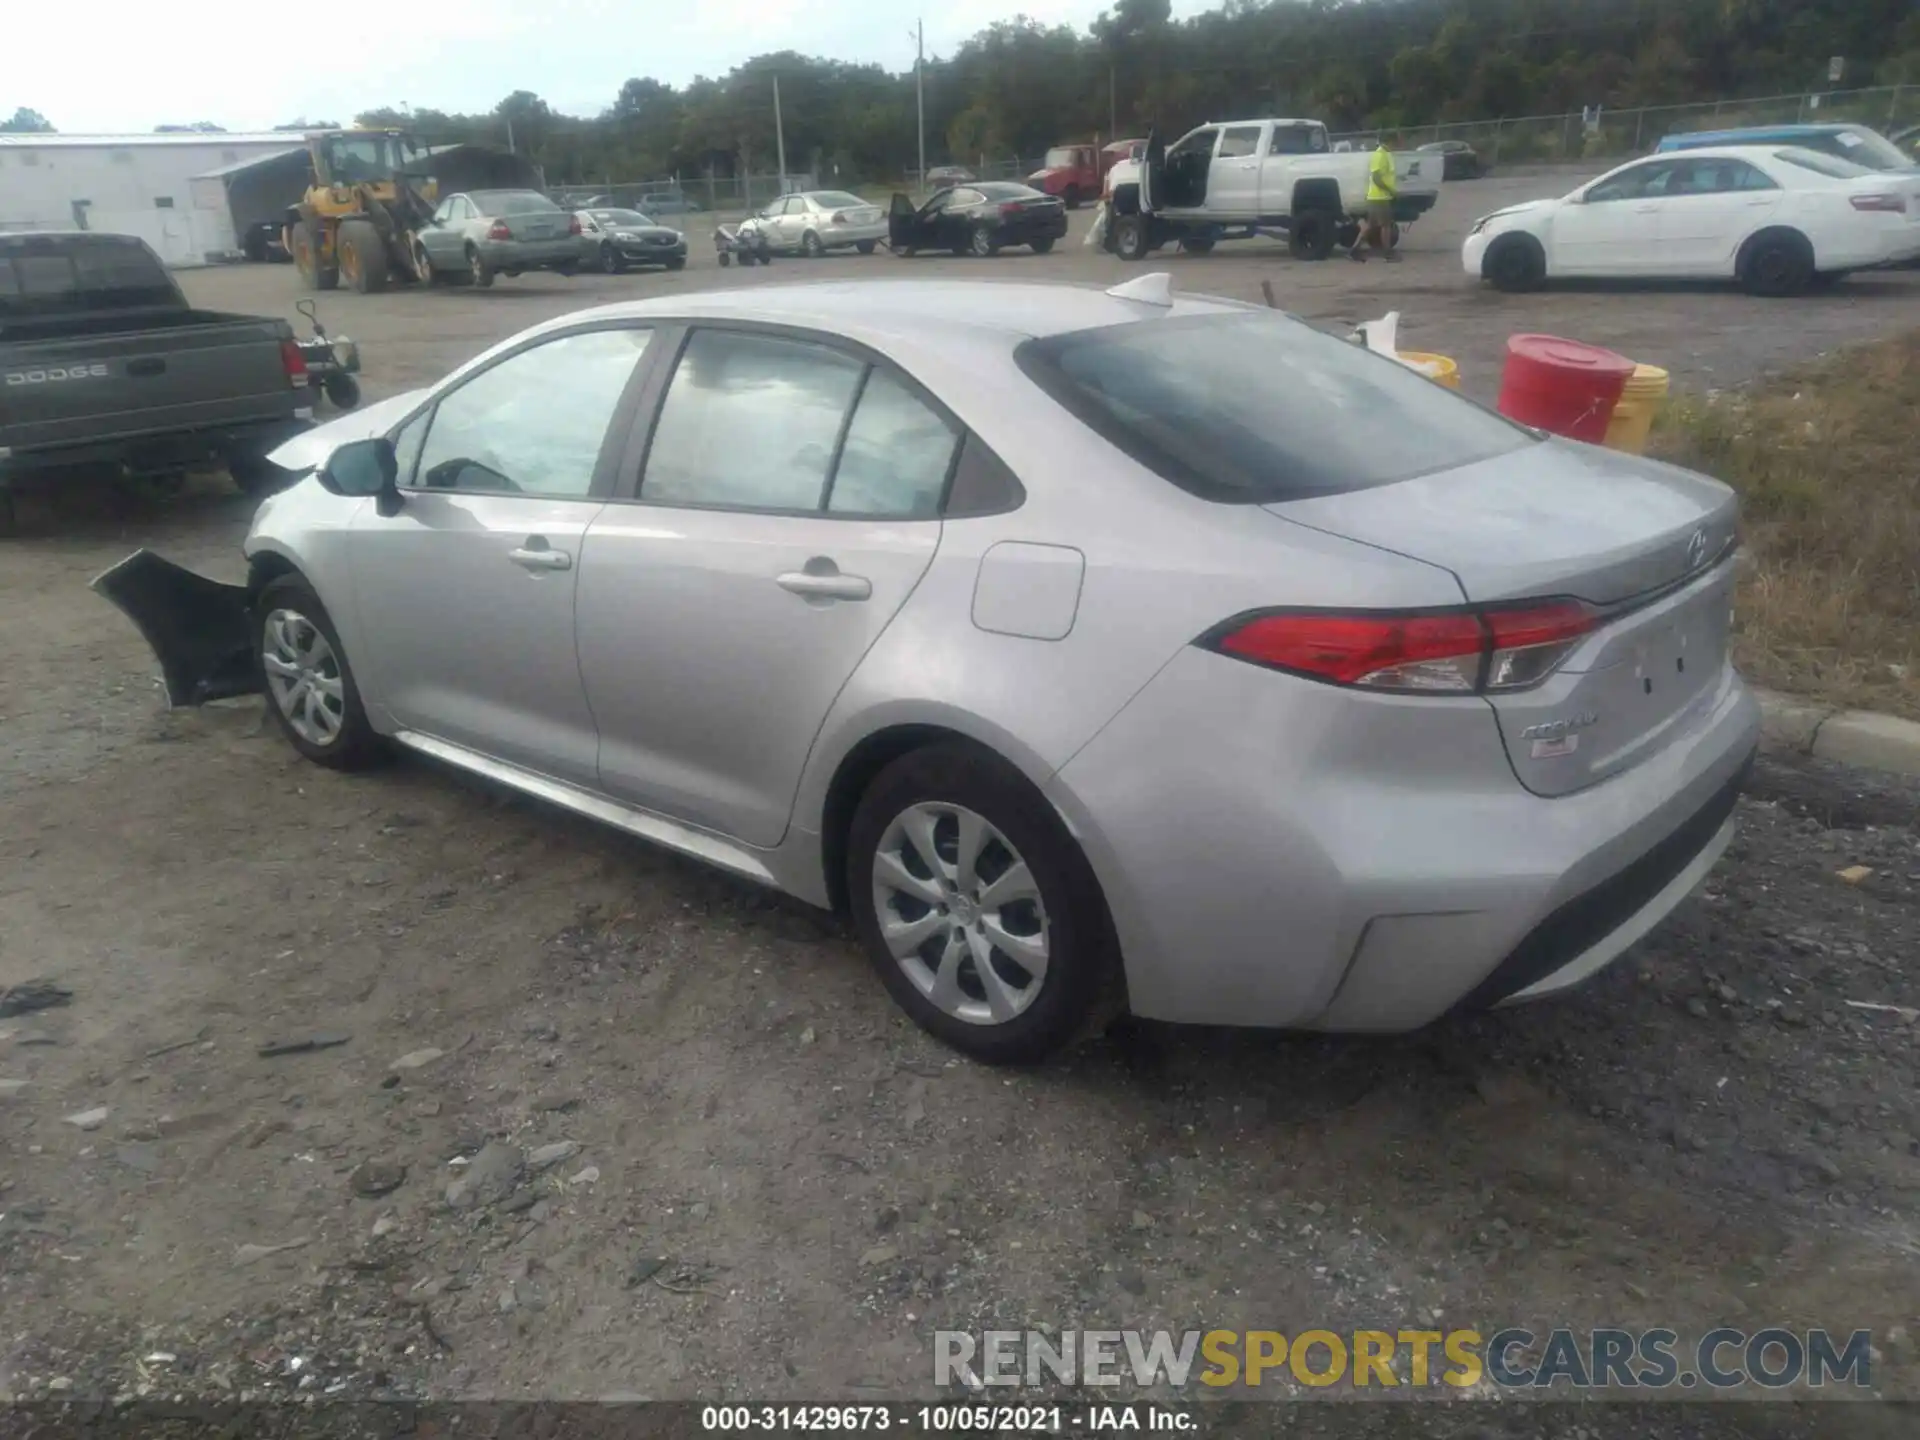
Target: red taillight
[
  {"x": 1440, "y": 652},
  {"x": 499, "y": 231},
  {"x": 293, "y": 362},
  {"x": 1011, "y": 207},
  {"x": 573, "y": 226},
  {"x": 1895, "y": 204}
]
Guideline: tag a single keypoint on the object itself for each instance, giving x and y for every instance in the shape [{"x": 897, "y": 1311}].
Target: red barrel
[{"x": 1562, "y": 386}]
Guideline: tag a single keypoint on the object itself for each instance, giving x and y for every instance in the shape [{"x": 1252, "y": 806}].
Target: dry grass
[{"x": 1827, "y": 463}]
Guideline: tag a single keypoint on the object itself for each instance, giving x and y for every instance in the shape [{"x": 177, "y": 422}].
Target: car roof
[{"x": 1755, "y": 134}]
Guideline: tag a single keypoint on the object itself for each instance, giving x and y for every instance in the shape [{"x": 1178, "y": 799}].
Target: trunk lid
[{"x": 1650, "y": 545}]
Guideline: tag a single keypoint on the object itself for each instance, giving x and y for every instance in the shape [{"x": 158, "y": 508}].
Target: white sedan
[
  {"x": 1776, "y": 218},
  {"x": 815, "y": 221}
]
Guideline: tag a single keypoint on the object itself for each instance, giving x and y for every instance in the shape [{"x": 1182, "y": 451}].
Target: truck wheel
[
  {"x": 1311, "y": 235},
  {"x": 309, "y": 257},
  {"x": 1130, "y": 237},
  {"x": 479, "y": 272},
  {"x": 363, "y": 256}
]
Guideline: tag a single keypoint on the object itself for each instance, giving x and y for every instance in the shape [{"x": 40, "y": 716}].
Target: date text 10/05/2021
[{"x": 948, "y": 1419}]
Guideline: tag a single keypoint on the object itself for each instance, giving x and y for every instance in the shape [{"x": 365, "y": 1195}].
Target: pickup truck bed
[{"x": 104, "y": 364}]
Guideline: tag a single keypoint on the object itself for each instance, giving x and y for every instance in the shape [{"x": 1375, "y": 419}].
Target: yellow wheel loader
[{"x": 371, "y": 193}]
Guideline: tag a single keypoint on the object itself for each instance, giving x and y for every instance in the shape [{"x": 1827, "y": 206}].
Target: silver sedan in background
[
  {"x": 482, "y": 233},
  {"x": 1089, "y": 649},
  {"x": 815, "y": 221}
]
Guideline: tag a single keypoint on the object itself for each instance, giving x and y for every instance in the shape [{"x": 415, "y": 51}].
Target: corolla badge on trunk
[{"x": 1551, "y": 739}]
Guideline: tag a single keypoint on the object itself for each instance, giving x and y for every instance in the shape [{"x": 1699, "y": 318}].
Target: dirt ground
[{"x": 781, "y": 1189}]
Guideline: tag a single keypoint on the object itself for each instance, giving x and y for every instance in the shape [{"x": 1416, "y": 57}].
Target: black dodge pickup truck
[{"x": 104, "y": 365}]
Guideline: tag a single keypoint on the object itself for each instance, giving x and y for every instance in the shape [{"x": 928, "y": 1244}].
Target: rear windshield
[
  {"x": 1829, "y": 165},
  {"x": 1864, "y": 147},
  {"x": 45, "y": 275},
  {"x": 1007, "y": 190},
  {"x": 512, "y": 202},
  {"x": 1257, "y": 407}
]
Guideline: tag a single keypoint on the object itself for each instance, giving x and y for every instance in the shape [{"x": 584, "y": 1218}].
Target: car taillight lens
[
  {"x": 293, "y": 362},
  {"x": 499, "y": 231},
  {"x": 573, "y": 226},
  {"x": 1449, "y": 652},
  {"x": 1894, "y": 203},
  {"x": 1011, "y": 207}
]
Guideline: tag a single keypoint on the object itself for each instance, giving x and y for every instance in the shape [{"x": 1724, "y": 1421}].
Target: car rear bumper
[
  {"x": 1281, "y": 853},
  {"x": 531, "y": 254},
  {"x": 1049, "y": 226},
  {"x": 837, "y": 236}
]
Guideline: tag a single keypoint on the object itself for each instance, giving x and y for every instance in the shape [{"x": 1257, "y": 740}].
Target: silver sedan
[
  {"x": 816, "y": 221},
  {"x": 1088, "y": 649}
]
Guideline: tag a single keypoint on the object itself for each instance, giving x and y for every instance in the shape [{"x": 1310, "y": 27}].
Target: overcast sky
[{"x": 255, "y": 66}]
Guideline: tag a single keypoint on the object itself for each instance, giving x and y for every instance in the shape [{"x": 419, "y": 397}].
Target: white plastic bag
[{"x": 1097, "y": 232}]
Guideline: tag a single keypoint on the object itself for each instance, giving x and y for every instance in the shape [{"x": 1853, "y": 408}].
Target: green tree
[{"x": 27, "y": 122}]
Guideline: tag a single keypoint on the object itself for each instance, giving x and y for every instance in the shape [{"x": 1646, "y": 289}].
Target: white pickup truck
[{"x": 1234, "y": 179}]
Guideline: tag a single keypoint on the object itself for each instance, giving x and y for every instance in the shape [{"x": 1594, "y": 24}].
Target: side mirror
[{"x": 362, "y": 468}]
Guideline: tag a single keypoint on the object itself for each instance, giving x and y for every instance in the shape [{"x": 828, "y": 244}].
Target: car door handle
[
  {"x": 831, "y": 586},
  {"x": 540, "y": 557}
]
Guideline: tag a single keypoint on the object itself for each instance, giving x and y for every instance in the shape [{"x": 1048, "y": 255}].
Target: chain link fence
[
  {"x": 730, "y": 197},
  {"x": 1607, "y": 133}
]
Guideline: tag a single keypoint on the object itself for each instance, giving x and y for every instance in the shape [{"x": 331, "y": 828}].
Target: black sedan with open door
[{"x": 979, "y": 218}]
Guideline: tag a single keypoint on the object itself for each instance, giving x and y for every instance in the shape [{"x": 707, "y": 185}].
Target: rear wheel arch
[{"x": 1320, "y": 195}]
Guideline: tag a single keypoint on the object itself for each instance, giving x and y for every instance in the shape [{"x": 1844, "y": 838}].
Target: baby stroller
[{"x": 750, "y": 247}]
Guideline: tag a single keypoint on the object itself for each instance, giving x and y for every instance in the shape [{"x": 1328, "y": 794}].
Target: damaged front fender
[{"x": 201, "y": 630}]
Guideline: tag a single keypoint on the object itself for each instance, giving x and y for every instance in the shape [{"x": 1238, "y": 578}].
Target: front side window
[
  {"x": 1326, "y": 417},
  {"x": 749, "y": 421},
  {"x": 534, "y": 423}
]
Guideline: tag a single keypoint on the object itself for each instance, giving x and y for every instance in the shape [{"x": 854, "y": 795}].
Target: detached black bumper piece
[
  {"x": 1586, "y": 920},
  {"x": 200, "y": 630}
]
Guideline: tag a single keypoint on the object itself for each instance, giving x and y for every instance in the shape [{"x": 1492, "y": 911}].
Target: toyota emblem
[{"x": 1696, "y": 549}]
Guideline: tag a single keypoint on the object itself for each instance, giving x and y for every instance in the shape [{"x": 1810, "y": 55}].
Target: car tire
[
  {"x": 1131, "y": 238},
  {"x": 363, "y": 257},
  {"x": 1777, "y": 264},
  {"x": 725, "y": 259},
  {"x": 811, "y": 247},
  {"x": 1515, "y": 264},
  {"x": 1042, "y": 246},
  {"x": 865, "y": 247},
  {"x": 1059, "y": 919},
  {"x": 423, "y": 270},
  {"x": 1197, "y": 245},
  {"x": 981, "y": 243},
  {"x": 342, "y": 390},
  {"x": 479, "y": 272},
  {"x": 1311, "y": 235},
  {"x": 1070, "y": 197},
  {"x": 609, "y": 259},
  {"x": 290, "y": 627}
]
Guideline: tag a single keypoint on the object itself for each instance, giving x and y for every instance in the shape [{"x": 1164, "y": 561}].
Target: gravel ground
[{"x": 780, "y": 1189}]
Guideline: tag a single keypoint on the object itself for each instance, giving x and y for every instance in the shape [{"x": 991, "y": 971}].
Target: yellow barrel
[
  {"x": 1640, "y": 401},
  {"x": 1437, "y": 368}
]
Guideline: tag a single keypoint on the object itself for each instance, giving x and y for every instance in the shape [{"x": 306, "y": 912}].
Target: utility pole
[
  {"x": 920, "y": 91},
  {"x": 779, "y": 135},
  {"x": 1113, "y": 109}
]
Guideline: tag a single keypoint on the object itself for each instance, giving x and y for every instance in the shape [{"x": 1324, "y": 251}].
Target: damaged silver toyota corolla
[{"x": 1089, "y": 648}]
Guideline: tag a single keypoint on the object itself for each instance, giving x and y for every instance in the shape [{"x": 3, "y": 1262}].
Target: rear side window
[
  {"x": 1828, "y": 165},
  {"x": 1255, "y": 407}
]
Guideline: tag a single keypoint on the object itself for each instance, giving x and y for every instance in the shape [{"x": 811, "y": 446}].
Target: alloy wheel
[
  {"x": 303, "y": 676},
  {"x": 961, "y": 913}
]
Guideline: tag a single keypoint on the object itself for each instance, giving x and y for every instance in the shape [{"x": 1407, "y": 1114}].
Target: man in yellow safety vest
[{"x": 1381, "y": 189}]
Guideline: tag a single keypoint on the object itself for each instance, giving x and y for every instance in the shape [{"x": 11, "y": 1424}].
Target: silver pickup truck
[
  {"x": 105, "y": 366},
  {"x": 1236, "y": 179}
]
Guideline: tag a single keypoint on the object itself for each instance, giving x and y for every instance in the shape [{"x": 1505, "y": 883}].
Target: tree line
[{"x": 1019, "y": 86}]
